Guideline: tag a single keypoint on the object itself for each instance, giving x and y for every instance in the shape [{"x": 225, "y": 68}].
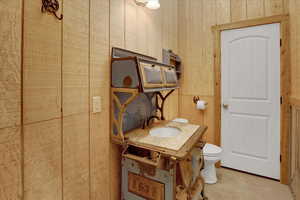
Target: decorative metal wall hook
[
  {"x": 196, "y": 99},
  {"x": 51, "y": 6}
]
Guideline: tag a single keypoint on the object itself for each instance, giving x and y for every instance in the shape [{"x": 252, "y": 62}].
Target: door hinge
[
  {"x": 280, "y": 158},
  {"x": 281, "y": 100},
  {"x": 280, "y": 42}
]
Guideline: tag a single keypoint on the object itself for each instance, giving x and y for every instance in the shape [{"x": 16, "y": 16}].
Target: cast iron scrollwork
[{"x": 51, "y": 6}]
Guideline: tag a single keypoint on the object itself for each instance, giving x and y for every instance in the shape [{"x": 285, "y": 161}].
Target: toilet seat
[{"x": 211, "y": 150}]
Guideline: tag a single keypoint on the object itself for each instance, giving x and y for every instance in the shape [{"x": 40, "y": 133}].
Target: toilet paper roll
[{"x": 201, "y": 105}]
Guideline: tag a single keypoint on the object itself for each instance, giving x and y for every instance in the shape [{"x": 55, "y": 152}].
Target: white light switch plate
[{"x": 97, "y": 104}]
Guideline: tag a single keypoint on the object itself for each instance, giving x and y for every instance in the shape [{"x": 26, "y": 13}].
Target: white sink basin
[{"x": 165, "y": 132}]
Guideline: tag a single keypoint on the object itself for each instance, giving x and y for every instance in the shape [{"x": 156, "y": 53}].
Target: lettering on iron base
[{"x": 145, "y": 187}]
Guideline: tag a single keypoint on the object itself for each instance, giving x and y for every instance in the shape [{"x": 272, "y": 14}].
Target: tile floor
[{"x": 233, "y": 185}]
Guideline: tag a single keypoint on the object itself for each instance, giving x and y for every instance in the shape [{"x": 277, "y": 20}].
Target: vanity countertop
[{"x": 178, "y": 146}]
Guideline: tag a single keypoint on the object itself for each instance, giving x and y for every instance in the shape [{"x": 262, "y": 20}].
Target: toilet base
[{"x": 209, "y": 173}]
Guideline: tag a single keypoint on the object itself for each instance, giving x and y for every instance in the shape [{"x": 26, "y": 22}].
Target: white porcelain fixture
[
  {"x": 212, "y": 154},
  {"x": 165, "y": 132},
  {"x": 180, "y": 120}
]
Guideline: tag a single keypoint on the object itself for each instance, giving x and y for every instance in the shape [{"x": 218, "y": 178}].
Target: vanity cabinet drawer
[
  {"x": 151, "y": 75},
  {"x": 170, "y": 76}
]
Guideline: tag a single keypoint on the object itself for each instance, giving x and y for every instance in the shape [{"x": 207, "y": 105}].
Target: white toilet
[{"x": 212, "y": 154}]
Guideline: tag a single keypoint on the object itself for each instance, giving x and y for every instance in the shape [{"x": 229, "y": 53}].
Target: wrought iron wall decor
[{"x": 51, "y": 6}]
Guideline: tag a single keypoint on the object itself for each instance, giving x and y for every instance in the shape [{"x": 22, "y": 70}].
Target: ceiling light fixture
[
  {"x": 153, "y": 4},
  {"x": 141, "y": 2}
]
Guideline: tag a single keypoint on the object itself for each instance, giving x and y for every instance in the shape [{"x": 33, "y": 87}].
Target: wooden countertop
[{"x": 178, "y": 146}]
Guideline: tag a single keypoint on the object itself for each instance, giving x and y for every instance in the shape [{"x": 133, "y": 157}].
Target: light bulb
[
  {"x": 141, "y": 2},
  {"x": 153, "y": 4}
]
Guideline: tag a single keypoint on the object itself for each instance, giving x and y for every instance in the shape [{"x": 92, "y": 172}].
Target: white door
[{"x": 250, "y": 125}]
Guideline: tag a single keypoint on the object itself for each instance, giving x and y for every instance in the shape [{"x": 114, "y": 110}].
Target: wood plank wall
[
  {"x": 57, "y": 148},
  {"x": 196, "y": 47},
  {"x": 62, "y": 149},
  {"x": 62, "y": 146},
  {"x": 295, "y": 48},
  {"x": 10, "y": 100},
  {"x": 142, "y": 30},
  {"x": 295, "y": 152},
  {"x": 294, "y": 10}
]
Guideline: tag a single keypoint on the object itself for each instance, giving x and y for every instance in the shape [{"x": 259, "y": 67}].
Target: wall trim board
[
  {"x": 285, "y": 81},
  {"x": 295, "y": 150},
  {"x": 251, "y": 22},
  {"x": 22, "y": 99}
]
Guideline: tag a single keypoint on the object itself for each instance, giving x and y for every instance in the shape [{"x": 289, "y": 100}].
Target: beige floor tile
[{"x": 233, "y": 185}]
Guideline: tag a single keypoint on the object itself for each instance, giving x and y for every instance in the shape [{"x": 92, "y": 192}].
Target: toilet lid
[{"x": 211, "y": 150}]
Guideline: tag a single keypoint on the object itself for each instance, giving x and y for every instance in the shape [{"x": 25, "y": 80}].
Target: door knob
[{"x": 225, "y": 105}]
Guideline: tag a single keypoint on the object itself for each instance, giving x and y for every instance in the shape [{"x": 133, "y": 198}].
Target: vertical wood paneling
[
  {"x": 168, "y": 28},
  {"x": 100, "y": 170},
  {"x": 117, "y": 25},
  {"x": 10, "y": 164},
  {"x": 174, "y": 17},
  {"x": 99, "y": 86},
  {"x": 286, "y": 6},
  {"x": 154, "y": 29},
  {"x": 295, "y": 47},
  {"x": 76, "y": 157},
  {"x": 42, "y": 168},
  {"x": 10, "y": 63},
  {"x": 142, "y": 31},
  {"x": 42, "y": 83},
  {"x": 188, "y": 110},
  {"x": 75, "y": 68},
  {"x": 171, "y": 106},
  {"x": 238, "y": 10},
  {"x": 42, "y": 64},
  {"x": 169, "y": 9},
  {"x": 183, "y": 23},
  {"x": 295, "y": 152},
  {"x": 255, "y": 8},
  {"x": 198, "y": 59},
  {"x": 131, "y": 18},
  {"x": 75, "y": 57},
  {"x": 196, "y": 46},
  {"x": 223, "y": 11},
  {"x": 274, "y": 7},
  {"x": 10, "y": 101},
  {"x": 166, "y": 23},
  {"x": 117, "y": 39},
  {"x": 42, "y": 104},
  {"x": 192, "y": 63},
  {"x": 209, "y": 9},
  {"x": 78, "y": 47},
  {"x": 296, "y": 66},
  {"x": 294, "y": 10}
]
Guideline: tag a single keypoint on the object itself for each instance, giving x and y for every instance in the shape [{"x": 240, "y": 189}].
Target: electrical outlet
[{"x": 97, "y": 107}]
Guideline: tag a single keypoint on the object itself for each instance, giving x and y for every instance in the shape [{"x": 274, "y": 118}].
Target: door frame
[{"x": 284, "y": 82}]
